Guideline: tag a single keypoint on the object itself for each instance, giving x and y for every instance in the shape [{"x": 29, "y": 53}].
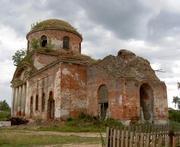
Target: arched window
[
  {"x": 66, "y": 42},
  {"x": 43, "y": 102},
  {"x": 43, "y": 41},
  {"x": 37, "y": 100}
]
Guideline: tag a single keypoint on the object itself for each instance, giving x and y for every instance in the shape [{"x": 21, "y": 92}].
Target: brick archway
[
  {"x": 103, "y": 101},
  {"x": 146, "y": 102}
]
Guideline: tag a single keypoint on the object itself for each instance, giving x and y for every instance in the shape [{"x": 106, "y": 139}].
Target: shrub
[
  {"x": 18, "y": 121},
  {"x": 5, "y": 115},
  {"x": 174, "y": 115}
]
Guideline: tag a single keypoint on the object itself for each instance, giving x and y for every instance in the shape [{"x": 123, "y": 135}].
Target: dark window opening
[
  {"x": 103, "y": 111},
  {"x": 31, "y": 106},
  {"x": 28, "y": 45},
  {"x": 43, "y": 41},
  {"x": 51, "y": 106},
  {"x": 36, "y": 108},
  {"x": 43, "y": 102},
  {"x": 66, "y": 42},
  {"x": 79, "y": 47}
]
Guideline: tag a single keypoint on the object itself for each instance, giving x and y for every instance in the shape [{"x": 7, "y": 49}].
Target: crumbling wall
[
  {"x": 41, "y": 60},
  {"x": 96, "y": 78},
  {"x": 123, "y": 75},
  {"x": 73, "y": 90},
  {"x": 160, "y": 102}
]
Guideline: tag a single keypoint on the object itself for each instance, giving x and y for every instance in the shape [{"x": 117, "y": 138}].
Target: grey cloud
[
  {"x": 166, "y": 23},
  {"x": 18, "y": 14},
  {"x": 127, "y": 19}
]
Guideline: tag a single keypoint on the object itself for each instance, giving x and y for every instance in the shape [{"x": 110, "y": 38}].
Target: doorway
[
  {"x": 103, "y": 101},
  {"x": 146, "y": 103}
]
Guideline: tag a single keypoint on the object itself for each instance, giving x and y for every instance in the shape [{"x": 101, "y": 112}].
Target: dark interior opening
[
  {"x": 31, "y": 106},
  {"x": 51, "y": 106},
  {"x": 146, "y": 102},
  {"x": 43, "y": 41},
  {"x": 103, "y": 101},
  {"x": 66, "y": 42}
]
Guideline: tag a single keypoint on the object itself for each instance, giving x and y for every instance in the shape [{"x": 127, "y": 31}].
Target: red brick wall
[{"x": 73, "y": 89}]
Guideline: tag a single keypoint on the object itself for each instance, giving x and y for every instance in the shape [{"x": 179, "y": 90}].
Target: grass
[
  {"x": 16, "y": 138},
  {"x": 86, "y": 124}
]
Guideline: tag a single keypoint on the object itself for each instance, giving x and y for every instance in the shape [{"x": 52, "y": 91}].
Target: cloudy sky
[{"x": 149, "y": 28}]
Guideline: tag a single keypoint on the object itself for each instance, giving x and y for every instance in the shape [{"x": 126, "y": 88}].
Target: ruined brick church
[{"x": 56, "y": 81}]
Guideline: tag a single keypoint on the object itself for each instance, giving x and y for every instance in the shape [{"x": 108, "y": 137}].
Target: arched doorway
[
  {"x": 51, "y": 105},
  {"x": 103, "y": 101},
  {"x": 146, "y": 102}
]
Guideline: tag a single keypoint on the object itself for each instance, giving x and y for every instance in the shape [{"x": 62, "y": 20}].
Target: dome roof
[{"x": 54, "y": 24}]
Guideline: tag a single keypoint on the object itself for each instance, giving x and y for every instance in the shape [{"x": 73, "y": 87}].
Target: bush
[
  {"x": 112, "y": 123},
  {"x": 4, "y": 106},
  {"x": 86, "y": 117},
  {"x": 18, "y": 121},
  {"x": 174, "y": 115},
  {"x": 5, "y": 115}
]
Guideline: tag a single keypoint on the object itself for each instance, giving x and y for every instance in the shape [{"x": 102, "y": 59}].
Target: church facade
[{"x": 56, "y": 81}]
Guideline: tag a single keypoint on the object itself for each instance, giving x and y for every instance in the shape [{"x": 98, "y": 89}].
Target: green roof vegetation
[{"x": 54, "y": 24}]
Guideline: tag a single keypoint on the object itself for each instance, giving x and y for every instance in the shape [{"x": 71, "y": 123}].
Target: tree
[
  {"x": 18, "y": 56},
  {"x": 178, "y": 84},
  {"x": 176, "y": 99},
  {"x": 4, "y": 106}
]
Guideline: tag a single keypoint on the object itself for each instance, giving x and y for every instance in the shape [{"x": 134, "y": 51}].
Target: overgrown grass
[
  {"x": 175, "y": 126},
  {"x": 5, "y": 115},
  {"x": 19, "y": 138},
  {"x": 83, "y": 123}
]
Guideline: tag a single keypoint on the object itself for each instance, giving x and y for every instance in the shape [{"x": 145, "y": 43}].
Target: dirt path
[
  {"x": 80, "y": 134},
  {"x": 75, "y": 145}
]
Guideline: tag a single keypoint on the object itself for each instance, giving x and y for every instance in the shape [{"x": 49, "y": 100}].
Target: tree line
[{"x": 176, "y": 99}]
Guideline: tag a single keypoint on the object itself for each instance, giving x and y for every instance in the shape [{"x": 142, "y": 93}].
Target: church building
[{"x": 56, "y": 81}]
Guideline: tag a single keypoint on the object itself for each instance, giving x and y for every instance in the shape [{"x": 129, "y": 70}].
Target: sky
[{"x": 150, "y": 29}]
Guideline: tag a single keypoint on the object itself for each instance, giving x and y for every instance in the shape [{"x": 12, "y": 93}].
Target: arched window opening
[
  {"x": 79, "y": 47},
  {"x": 43, "y": 41},
  {"x": 31, "y": 106},
  {"x": 28, "y": 45},
  {"x": 146, "y": 103},
  {"x": 43, "y": 102},
  {"x": 37, "y": 100},
  {"x": 51, "y": 106},
  {"x": 103, "y": 101},
  {"x": 66, "y": 42}
]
